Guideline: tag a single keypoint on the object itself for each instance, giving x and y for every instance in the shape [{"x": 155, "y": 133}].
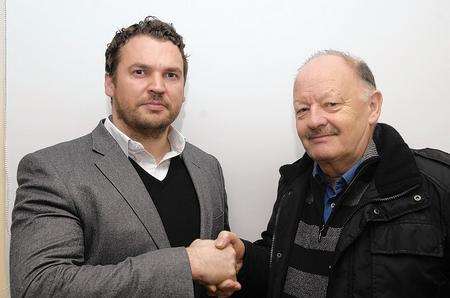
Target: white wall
[{"x": 243, "y": 59}]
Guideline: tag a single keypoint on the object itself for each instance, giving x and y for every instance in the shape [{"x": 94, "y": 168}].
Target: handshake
[{"x": 215, "y": 263}]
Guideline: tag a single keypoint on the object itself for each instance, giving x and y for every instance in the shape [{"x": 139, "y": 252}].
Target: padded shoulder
[
  {"x": 434, "y": 163},
  {"x": 434, "y": 154}
]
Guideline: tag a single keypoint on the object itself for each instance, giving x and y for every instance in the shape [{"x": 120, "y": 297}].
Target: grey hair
[{"x": 360, "y": 66}]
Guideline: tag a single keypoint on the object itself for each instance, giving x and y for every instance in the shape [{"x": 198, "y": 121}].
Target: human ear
[
  {"x": 109, "y": 86},
  {"x": 375, "y": 102}
]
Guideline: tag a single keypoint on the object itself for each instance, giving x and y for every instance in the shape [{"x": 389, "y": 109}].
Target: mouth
[
  {"x": 320, "y": 136},
  {"x": 154, "y": 105}
]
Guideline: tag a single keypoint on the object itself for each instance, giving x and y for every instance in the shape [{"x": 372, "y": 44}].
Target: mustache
[
  {"x": 320, "y": 132},
  {"x": 155, "y": 98}
]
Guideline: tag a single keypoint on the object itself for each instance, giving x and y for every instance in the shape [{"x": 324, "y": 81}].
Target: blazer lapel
[
  {"x": 116, "y": 167},
  {"x": 201, "y": 182}
]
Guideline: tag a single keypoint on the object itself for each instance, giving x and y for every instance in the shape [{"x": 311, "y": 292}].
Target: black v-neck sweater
[{"x": 176, "y": 200}]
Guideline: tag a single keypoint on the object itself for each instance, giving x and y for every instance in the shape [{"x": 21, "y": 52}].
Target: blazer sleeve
[
  {"x": 224, "y": 196},
  {"x": 47, "y": 257}
]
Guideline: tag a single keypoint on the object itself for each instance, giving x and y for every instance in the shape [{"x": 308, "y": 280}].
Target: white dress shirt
[{"x": 136, "y": 151}]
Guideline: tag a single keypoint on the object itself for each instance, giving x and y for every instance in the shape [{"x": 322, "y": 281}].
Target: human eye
[
  {"x": 301, "y": 111},
  {"x": 138, "y": 72},
  {"x": 171, "y": 75},
  {"x": 331, "y": 104}
]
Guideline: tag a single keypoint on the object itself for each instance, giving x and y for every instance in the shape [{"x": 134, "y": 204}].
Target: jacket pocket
[
  {"x": 408, "y": 238},
  {"x": 407, "y": 260}
]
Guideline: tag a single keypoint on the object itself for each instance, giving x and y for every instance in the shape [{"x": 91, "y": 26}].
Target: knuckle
[{"x": 223, "y": 235}]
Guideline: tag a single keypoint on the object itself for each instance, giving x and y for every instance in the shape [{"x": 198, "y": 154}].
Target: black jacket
[{"x": 395, "y": 244}]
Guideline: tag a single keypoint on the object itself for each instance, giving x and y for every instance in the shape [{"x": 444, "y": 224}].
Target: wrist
[{"x": 193, "y": 262}]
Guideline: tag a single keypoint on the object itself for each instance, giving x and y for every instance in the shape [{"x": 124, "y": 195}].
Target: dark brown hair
[{"x": 150, "y": 26}]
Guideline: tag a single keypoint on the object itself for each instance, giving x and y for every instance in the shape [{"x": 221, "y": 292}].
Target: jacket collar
[
  {"x": 115, "y": 165},
  {"x": 396, "y": 169}
]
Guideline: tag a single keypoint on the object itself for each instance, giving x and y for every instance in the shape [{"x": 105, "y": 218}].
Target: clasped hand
[{"x": 215, "y": 264}]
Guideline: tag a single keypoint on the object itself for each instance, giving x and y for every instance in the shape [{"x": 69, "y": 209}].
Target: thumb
[{"x": 223, "y": 239}]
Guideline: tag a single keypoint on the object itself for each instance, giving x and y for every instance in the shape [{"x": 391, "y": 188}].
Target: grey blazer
[{"x": 84, "y": 225}]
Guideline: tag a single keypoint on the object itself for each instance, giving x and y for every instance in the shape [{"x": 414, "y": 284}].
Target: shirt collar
[
  {"x": 371, "y": 151},
  {"x": 131, "y": 147}
]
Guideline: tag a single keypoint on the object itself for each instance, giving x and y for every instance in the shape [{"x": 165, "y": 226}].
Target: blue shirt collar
[
  {"x": 370, "y": 152},
  {"x": 346, "y": 177}
]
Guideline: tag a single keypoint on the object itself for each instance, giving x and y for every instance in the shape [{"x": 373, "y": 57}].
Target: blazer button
[
  {"x": 376, "y": 211},
  {"x": 279, "y": 255},
  {"x": 417, "y": 198}
]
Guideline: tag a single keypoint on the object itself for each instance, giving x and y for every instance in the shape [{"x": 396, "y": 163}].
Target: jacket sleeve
[
  {"x": 47, "y": 256},
  {"x": 435, "y": 166},
  {"x": 254, "y": 275},
  {"x": 224, "y": 196}
]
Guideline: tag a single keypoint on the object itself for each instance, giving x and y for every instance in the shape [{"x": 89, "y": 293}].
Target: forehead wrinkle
[
  {"x": 317, "y": 92},
  {"x": 317, "y": 88}
]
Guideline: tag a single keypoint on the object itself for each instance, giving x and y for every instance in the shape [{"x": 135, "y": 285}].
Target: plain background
[
  {"x": 243, "y": 57},
  {"x": 3, "y": 222}
]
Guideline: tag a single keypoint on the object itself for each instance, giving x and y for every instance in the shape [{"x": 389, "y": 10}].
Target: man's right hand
[
  {"x": 225, "y": 240},
  {"x": 210, "y": 265}
]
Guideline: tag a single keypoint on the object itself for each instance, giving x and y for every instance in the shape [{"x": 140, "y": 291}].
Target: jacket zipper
[
  {"x": 363, "y": 166},
  {"x": 272, "y": 246},
  {"x": 393, "y": 197},
  {"x": 397, "y": 195}
]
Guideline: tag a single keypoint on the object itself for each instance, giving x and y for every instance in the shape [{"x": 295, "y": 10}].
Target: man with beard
[
  {"x": 360, "y": 214},
  {"x": 114, "y": 213}
]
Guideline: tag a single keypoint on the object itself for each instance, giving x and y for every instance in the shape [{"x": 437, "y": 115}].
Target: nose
[
  {"x": 156, "y": 83},
  {"x": 316, "y": 117}
]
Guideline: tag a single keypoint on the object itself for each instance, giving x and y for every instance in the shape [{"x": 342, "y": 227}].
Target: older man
[
  {"x": 113, "y": 213},
  {"x": 360, "y": 214}
]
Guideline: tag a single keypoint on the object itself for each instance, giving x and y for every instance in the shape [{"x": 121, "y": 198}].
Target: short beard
[
  {"x": 151, "y": 129},
  {"x": 147, "y": 129}
]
